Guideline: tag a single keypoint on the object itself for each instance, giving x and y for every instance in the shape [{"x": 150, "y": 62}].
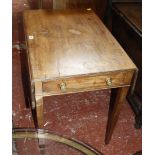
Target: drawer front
[{"x": 87, "y": 83}]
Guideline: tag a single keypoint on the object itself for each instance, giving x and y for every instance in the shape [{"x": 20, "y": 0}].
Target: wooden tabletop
[{"x": 71, "y": 43}]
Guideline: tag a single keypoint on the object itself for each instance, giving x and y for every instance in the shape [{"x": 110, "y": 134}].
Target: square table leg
[
  {"x": 112, "y": 119},
  {"x": 114, "y": 113},
  {"x": 39, "y": 111}
]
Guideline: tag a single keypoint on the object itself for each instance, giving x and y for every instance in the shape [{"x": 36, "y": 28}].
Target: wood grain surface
[
  {"x": 72, "y": 51},
  {"x": 71, "y": 43},
  {"x": 85, "y": 83}
]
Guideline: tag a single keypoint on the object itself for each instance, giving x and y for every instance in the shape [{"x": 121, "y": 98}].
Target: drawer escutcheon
[
  {"x": 63, "y": 86},
  {"x": 109, "y": 81}
]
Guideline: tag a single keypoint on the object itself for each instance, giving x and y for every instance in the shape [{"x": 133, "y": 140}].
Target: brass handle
[
  {"x": 63, "y": 86},
  {"x": 109, "y": 81}
]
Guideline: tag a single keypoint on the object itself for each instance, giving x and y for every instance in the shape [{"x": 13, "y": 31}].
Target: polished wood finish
[
  {"x": 72, "y": 51},
  {"x": 87, "y": 47},
  {"x": 87, "y": 83}
]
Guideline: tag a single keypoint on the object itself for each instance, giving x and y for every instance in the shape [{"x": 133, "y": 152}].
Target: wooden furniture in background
[
  {"x": 99, "y": 6},
  {"x": 72, "y": 51},
  {"x": 127, "y": 28}
]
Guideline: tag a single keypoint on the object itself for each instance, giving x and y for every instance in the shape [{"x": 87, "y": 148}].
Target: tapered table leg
[
  {"x": 115, "y": 111},
  {"x": 39, "y": 111},
  {"x": 40, "y": 125}
]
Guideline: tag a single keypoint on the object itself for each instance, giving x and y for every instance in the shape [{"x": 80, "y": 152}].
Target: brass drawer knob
[
  {"x": 109, "y": 81},
  {"x": 63, "y": 86}
]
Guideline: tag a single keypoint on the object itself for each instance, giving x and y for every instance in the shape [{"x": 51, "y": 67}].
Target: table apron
[{"x": 87, "y": 83}]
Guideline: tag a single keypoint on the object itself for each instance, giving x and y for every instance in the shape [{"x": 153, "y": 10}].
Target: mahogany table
[{"x": 72, "y": 51}]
